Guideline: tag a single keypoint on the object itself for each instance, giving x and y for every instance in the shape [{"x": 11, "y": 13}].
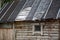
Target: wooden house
[{"x": 30, "y": 20}]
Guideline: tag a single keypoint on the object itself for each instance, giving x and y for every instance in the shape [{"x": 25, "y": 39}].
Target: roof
[{"x": 30, "y": 10}]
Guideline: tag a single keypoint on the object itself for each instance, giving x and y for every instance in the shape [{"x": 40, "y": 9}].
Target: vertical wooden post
[
  {"x": 59, "y": 30},
  {"x": 13, "y": 31},
  {"x": 41, "y": 29}
]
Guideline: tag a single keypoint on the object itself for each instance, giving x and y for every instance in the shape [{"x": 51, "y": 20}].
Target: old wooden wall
[
  {"x": 50, "y": 31},
  {"x": 24, "y": 31},
  {"x": 6, "y": 34}
]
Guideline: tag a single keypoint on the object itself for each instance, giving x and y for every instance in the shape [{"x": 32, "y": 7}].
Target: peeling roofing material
[
  {"x": 25, "y": 10},
  {"x": 23, "y": 14},
  {"x": 16, "y": 11},
  {"x": 31, "y": 10},
  {"x": 42, "y": 8}
]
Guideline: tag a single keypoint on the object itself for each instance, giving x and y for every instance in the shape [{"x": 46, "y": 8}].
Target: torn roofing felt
[{"x": 30, "y": 10}]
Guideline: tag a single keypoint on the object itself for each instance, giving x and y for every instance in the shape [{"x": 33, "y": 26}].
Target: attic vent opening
[{"x": 37, "y": 28}]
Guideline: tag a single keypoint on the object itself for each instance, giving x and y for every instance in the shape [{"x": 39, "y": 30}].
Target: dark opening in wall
[
  {"x": 6, "y": 25},
  {"x": 37, "y": 28}
]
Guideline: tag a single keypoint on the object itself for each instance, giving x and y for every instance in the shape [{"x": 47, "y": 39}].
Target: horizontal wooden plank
[
  {"x": 24, "y": 31},
  {"x": 51, "y": 29},
  {"x": 24, "y": 34},
  {"x": 51, "y": 32}
]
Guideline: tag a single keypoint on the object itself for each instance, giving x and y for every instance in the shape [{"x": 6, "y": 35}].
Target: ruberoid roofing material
[
  {"x": 53, "y": 10},
  {"x": 25, "y": 10},
  {"x": 16, "y": 11},
  {"x": 58, "y": 15},
  {"x": 42, "y": 9},
  {"x": 31, "y": 10},
  {"x": 9, "y": 11},
  {"x": 4, "y": 10}
]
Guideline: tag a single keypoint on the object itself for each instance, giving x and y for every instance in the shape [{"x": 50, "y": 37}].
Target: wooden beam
[
  {"x": 13, "y": 31},
  {"x": 59, "y": 30}
]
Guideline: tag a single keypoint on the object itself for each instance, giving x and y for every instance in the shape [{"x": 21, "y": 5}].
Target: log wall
[
  {"x": 50, "y": 31},
  {"x": 24, "y": 31}
]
